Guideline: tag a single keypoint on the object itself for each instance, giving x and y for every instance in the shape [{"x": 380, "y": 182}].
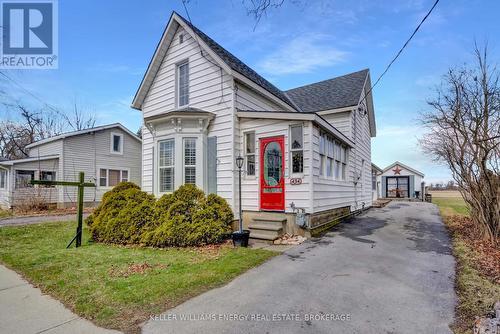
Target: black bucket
[{"x": 240, "y": 239}]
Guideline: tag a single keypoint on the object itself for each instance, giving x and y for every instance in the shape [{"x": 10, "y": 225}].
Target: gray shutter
[
  {"x": 412, "y": 186},
  {"x": 384, "y": 186},
  {"x": 212, "y": 165}
]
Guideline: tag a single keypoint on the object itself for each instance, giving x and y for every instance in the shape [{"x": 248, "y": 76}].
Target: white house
[
  {"x": 376, "y": 170},
  {"x": 106, "y": 154},
  {"x": 400, "y": 181},
  {"x": 305, "y": 149}
]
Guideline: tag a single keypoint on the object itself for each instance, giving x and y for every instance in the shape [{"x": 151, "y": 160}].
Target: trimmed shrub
[
  {"x": 186, "y": 217},
  {"x": 123, "y": 216}
]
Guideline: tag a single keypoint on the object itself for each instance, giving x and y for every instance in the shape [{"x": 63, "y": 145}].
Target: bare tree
[
  {"x": 464, "y": 132},
  {"x": 78, "y": 118}
]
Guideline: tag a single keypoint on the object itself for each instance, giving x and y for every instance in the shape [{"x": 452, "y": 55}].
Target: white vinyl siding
[{"x": 206, "y": 92}]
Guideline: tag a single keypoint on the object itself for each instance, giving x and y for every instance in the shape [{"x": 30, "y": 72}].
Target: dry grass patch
[{"x": 477, "y": 280}]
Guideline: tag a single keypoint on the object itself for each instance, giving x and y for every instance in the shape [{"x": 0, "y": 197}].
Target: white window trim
[
  {"x": 184, "y": 166},
  {"x": 6, "y": 180},
  {"x": 296, "y": 175},
  {"x": 201, "y": 164},
  {"x": 245, "y": 174},
  {"x": 107, "y": 186},
  {"x": 177, "y": 86},
  {"x": 113, "y": 134}
]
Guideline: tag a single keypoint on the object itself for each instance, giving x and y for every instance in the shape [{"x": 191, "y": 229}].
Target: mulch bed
[{"x": 488, "y": 253}]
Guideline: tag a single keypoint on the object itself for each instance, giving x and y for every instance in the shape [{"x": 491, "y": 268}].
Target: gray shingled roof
[
  {"x": 237, "y": 65},
  {"x": 343, "y": 91}
]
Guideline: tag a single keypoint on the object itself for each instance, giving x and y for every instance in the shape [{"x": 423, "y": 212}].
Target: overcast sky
[{"x": 105, "y": 47}]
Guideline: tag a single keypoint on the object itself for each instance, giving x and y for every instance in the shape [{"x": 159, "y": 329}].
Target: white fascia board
[{"x": 298, "y": 116}]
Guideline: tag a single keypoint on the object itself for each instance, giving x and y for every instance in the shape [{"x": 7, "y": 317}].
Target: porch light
[
  {"x": 239, "y": 161},
  {"x": 240, "y": 238}
]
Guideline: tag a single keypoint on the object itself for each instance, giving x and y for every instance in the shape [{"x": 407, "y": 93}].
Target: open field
[
  {"x": 115, "y": 286},
  {"x": 477, "y": 286}
]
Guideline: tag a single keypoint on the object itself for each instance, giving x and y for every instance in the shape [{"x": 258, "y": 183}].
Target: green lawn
[
  {"x": 451, "y": 205},
  {"x": 476, "y": 292},
  {"x": 98, "y": 281}
]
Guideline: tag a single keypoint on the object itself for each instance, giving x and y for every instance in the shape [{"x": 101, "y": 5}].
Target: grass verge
[
  {"x": 118, "y": 287},
  {"x": 477, "y": 281}
]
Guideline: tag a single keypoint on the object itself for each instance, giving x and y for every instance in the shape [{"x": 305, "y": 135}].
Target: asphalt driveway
[{"x": 388, "y": 271}]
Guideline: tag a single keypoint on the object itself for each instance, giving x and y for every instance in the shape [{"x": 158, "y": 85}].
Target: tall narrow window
[
  {"x": 166, "y": 165},
  {"x": 297, "y": 148},
  {"x": 250, "y": 152},
  {"x": 116, "y": 143},
  {"x": 3, "y": 179},
  {"x": 322, "y": 153},
  {"x": 190, "y": 160},
  {"x": 329, "y": 153},
  {"x": 183, "y": 84},
  {"x": 337, "y": 167},
  {"x": 103, "y": 177},
  {"x": 343, "y": 160}
]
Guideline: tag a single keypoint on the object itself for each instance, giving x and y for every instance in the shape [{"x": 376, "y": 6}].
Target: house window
[
  {"x": 322, "y": 153},
  {"x": 3, "y": 179},
  {"x": 297, "y": 148},
  {"x": 190, "y": 160},
  {"x": 329, "y": 153},
  {"x": 23, "y": 178},
  {"x": 343, "y": 161},
  {"x": 183, "y": 84},
  {"x": 181, "y": 38},
  {"x": 166, "y": 165},
  {"x": 116, "y": 143},
  {"x": 111, "y": 177},
  {"x": 48, "y": 176},
  {"x": 250, "y": 152},
  {"x": 337, "y": 164}
]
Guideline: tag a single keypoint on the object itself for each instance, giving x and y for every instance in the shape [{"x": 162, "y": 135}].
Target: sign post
[{"x": 81, "y": 184}]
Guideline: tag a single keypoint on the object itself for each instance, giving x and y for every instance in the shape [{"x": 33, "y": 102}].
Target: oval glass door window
[{"x": 272, "y": 164}]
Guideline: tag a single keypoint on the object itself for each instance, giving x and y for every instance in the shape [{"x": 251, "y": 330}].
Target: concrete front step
[
  {"x": 267, "y": 227},
  {"x": 268, "y": 220}
]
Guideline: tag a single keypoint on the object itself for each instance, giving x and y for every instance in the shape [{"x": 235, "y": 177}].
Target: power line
[
  {"x": 401, "y": 50},
  {"x": 30, "y": 93}
]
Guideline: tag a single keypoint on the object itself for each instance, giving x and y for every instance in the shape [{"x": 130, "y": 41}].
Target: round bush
[
  {"x": 123, "y": 216},
  {"x": 186, "y": 217}
]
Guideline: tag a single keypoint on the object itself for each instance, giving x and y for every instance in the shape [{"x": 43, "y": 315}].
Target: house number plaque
[{"x": 295, "y": 181}]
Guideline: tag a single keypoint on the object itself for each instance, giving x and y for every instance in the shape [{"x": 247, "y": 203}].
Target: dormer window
[
  {"x": 183, "y": 84},
  {"x": 116, "y": 143}
]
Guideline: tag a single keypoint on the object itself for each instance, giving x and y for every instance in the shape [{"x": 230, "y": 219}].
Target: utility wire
[{"x": 400, "y": 50}]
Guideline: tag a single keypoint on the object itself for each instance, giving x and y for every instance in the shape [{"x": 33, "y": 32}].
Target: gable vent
[{"x": 181, "y": 38}]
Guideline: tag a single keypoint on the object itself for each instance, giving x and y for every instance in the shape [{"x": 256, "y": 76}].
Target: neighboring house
[
  {"x": 400, "y": 181},
  {"x": 306, "y": 148},
  {"x": 376, "y": 170},
  {"x": 106, "y": 154}
]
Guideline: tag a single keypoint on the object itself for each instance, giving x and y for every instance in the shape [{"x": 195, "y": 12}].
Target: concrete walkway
[
  {"x": 38, "y": 219},
  {"x": 388, "y": 271},
  {"x": 25, "y": 310}
]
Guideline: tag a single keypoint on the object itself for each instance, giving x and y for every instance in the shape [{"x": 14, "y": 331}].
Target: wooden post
[
  {"x": 80, "y": 210},
  {"x": 81, "y": 184}
]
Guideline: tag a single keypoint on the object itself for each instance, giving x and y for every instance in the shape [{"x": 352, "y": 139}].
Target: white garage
[{"x": 400, "y": 181}]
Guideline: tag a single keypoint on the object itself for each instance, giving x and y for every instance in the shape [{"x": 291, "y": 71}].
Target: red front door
[{"x": 272, "y": 172}]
